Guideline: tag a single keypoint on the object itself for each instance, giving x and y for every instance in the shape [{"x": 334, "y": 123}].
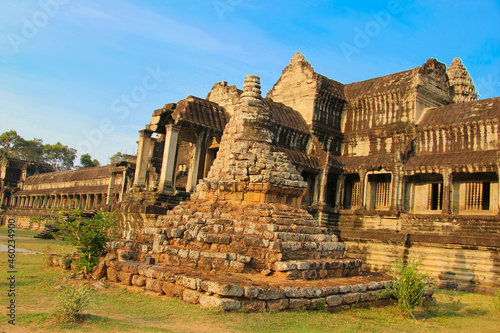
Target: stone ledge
[{"x": 252, "y": 292}]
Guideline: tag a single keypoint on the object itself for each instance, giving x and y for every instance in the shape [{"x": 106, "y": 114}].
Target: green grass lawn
[{"x": 118, "y": 309}]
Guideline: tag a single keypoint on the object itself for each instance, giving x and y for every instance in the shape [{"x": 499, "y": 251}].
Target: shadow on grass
[{"x": 449, "y": 309}]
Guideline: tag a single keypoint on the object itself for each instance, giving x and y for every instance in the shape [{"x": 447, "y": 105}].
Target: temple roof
[
  {"x": 286, "y": 116},
  {"x": 398, "y": 81},
  {"x": 481, "y": 110},
  {"x": 70, "y": 175},
  {"x": 198, "y": 111},
  {"x": 372, "y": 161},
  {"x": 334, "y": 87},
  {"x": 459, "y": 161},
  {"x": 96, "y": 189},
  {"x": 302, "y": 159}
]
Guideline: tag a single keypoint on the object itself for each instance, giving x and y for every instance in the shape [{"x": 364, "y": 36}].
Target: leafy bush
[
  {"x": 71, "y": 302},
  {"x": 408, "y": 286},
  {"x": 89, "y": 235}
]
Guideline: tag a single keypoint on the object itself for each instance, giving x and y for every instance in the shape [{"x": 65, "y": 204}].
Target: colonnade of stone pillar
[
  {"x": 169, "y": 159},
  {"x": 142, "y": 158},
  {"x": 83, "y": 201}
]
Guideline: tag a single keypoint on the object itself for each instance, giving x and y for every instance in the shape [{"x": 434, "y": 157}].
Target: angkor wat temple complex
[{"x": 401, "y": 166}]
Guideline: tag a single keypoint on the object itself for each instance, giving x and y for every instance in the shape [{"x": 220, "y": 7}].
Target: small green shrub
[
  {"x": 321, "y": 305},
  {"x": 408, "y": 286},
  {"x": 72, "y": 301},
  {"x": 89, "y": 235}
]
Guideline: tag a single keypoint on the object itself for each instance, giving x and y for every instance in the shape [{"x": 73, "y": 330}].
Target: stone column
[
  {"x": 362, "y": 196},
  {"x": 401, "y": 193},
  {"x": 395, "y": 188},
  {"x": 196, "y": 170},
  {"x": 168, "y": 162},
  {"x": 447, "y": 190},
  {"x": 142, "y": 158},
  {"x": 111, "y": 189},
  {"x": 322, "y": 187},
  {"x": 124, "y": 184},
  {"x": 339, "y": 190},
  {"x": 316, "y": 189},
  {"x": 2, "y": 198}
]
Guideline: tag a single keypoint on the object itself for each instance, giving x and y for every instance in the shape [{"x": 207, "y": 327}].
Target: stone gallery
[{"x": 250, "y": 203}]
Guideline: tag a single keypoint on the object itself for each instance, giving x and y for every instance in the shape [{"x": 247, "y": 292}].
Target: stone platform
[
  {"x": 242, "y": 241},
  {"x": 251, "y": 292}
]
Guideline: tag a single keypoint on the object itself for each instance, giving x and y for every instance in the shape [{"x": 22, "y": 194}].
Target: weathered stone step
[
  {"x": 251, "y": 293},
  {"x": 318, "y": 269}
]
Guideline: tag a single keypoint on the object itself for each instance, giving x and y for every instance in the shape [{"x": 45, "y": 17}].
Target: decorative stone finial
[
  {"x": 462, "y": 87},
  {"x": 251, "y": 87},
  {"x": 297, "y": 57}
]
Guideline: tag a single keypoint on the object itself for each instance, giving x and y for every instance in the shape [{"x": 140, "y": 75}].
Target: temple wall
[
  {"x": 470, "y": 136},
  {"x": 459, "y": 252},
  {"x": 22, "y": 219}
]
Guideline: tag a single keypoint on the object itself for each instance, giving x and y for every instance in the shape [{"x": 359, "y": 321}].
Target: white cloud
[{"x": 130, "y": 20}]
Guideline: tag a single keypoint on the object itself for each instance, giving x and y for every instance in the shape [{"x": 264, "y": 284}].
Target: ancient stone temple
[
  {"x": 399, "y": 167},
  {"x": 246, "y": 214},
  {"x": 90, "y": 189},
  {"x": 243, "y": 219},
  {"x": 13, "y": 175}
]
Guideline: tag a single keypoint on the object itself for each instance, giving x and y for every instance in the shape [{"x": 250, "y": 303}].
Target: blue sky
[{"x": 90, "y": 73}]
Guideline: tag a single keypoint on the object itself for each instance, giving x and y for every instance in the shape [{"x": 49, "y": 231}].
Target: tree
[
  {"x": 60, "y": 156},
  {"x": 87, "y": 162},
  {"x": 14, "y": 146},
  {"x": 120, "y": 157},
  {"x": 10, "y": 143}
]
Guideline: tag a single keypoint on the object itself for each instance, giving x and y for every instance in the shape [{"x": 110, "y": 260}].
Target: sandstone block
[
  {"x": 130, "y": 267},
  {"x": 223, "y": 303},
  {"x": 141, "y": 269},
  {"x": 191, "y": 296},
  {"x": 112, "y": 274},
  {"x": 277, "y": 305},
  {"x": 188, "y": 282},
  {"x": 253, "y": 305},
  {"x": 267, "y": 294},
  {"x": 99, "y": 271},
  {"x": 236, "y": 266},
  {"x": 138, "y": 280},
  {"x": 351, "y": 298},
  {"x": 125, "y": 278},
  {"x": 327, "y": 291},
  {"x": 344, "y": 289},
  {"x": 171, "y": 289},
  {"x": 334, "y": 300},
  {"x": 243, "y": 259},
  {"x": 154, "y": 285},
  {"x": 251, "y": 291},
  {"x": 299, "y": 303},
  {"x": 222, "y": 288},
  {"x": 312, "y": 292}
]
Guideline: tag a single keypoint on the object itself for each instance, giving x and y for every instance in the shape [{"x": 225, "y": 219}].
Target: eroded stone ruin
[
  {"x": 403, "y": 166},
  {"x": 246, "y": 214},
  {"x": 245, "y": 218}
]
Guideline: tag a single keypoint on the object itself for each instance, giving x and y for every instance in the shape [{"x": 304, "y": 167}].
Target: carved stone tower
[{"x": 462, "y": 87}]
